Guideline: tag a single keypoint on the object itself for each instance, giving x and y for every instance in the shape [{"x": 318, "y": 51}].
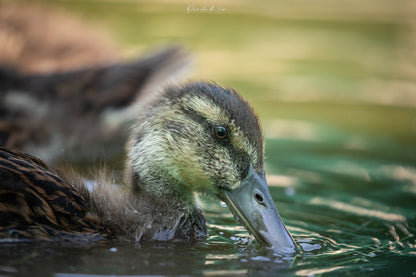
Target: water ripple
[{"x": 344, "y": 207}]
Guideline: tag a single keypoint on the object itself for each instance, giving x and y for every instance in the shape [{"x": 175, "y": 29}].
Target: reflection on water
[
  {"x": 351, "y": 210},
  {"x": 359, "y": 211},
  {"x": 343, "y": 222},
  {"x": 357, "y": 203}
]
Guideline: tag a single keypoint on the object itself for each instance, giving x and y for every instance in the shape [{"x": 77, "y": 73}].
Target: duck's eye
[{"x": 220, "y": 132}]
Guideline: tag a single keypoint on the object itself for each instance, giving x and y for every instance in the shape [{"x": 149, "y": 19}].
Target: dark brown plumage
[{"x": 36, "y": 202}]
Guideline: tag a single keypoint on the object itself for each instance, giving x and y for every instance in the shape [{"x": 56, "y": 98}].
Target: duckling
[
  {"x": 80, "y": 115},
  {"x": 188, "y": 139}
]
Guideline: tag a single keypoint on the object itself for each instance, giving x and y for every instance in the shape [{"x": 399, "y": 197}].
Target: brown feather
[{"x": 36, "y": 202}]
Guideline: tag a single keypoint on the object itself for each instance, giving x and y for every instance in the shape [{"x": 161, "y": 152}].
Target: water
[
  {"x": 335, "y": 89},
  {"x": 348, "y": 199},
  {"x": 351, "y": 210}
]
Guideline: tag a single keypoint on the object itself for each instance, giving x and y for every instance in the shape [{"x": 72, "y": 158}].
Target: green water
[
  {"x": 335, "y": 87},
  {"x": 352, "y": 211}
]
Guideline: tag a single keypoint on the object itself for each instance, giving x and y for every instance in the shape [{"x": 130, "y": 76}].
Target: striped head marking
[{"x": 198, "y": 137}]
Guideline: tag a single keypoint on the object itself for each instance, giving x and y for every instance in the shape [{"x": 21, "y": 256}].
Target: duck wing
[
  {"x": 79, "y": 114},
  {"x": 36, "y": 203}
]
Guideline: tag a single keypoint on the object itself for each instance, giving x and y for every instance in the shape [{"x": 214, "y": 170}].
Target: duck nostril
[{"x": 259, "y": 198}]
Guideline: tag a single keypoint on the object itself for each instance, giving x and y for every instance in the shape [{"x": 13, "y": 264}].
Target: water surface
[{"x": 351, "y": 210}]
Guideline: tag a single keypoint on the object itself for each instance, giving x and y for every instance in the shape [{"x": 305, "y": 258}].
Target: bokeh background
[{"x": 348, "y": 65}]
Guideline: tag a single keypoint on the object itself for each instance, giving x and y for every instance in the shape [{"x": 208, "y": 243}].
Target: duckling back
[{"x": 37, "y": 203}]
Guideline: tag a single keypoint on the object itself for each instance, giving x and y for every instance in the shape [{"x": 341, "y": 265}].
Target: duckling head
[{"x": 204, "y": 138}]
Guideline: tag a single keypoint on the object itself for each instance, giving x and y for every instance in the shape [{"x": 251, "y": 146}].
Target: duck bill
[{"x": 252, "y": 204}]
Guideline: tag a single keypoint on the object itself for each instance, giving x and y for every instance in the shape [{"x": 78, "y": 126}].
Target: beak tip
[{"x": 258, "y": 214}]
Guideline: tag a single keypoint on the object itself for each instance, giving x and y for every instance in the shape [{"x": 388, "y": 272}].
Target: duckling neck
[{"x": 171, "y": 211}]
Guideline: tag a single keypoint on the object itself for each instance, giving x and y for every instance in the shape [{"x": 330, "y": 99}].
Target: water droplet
[
  {"x": 261, "y": 258},
  {"x": 310, "y": 247}
]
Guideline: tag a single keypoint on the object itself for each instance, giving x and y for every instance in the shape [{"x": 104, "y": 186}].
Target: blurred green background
[
  {"x": 345, "y": 64},
  {"x": 327, "y": 77},
  {"x": 349, "y": 64}
]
